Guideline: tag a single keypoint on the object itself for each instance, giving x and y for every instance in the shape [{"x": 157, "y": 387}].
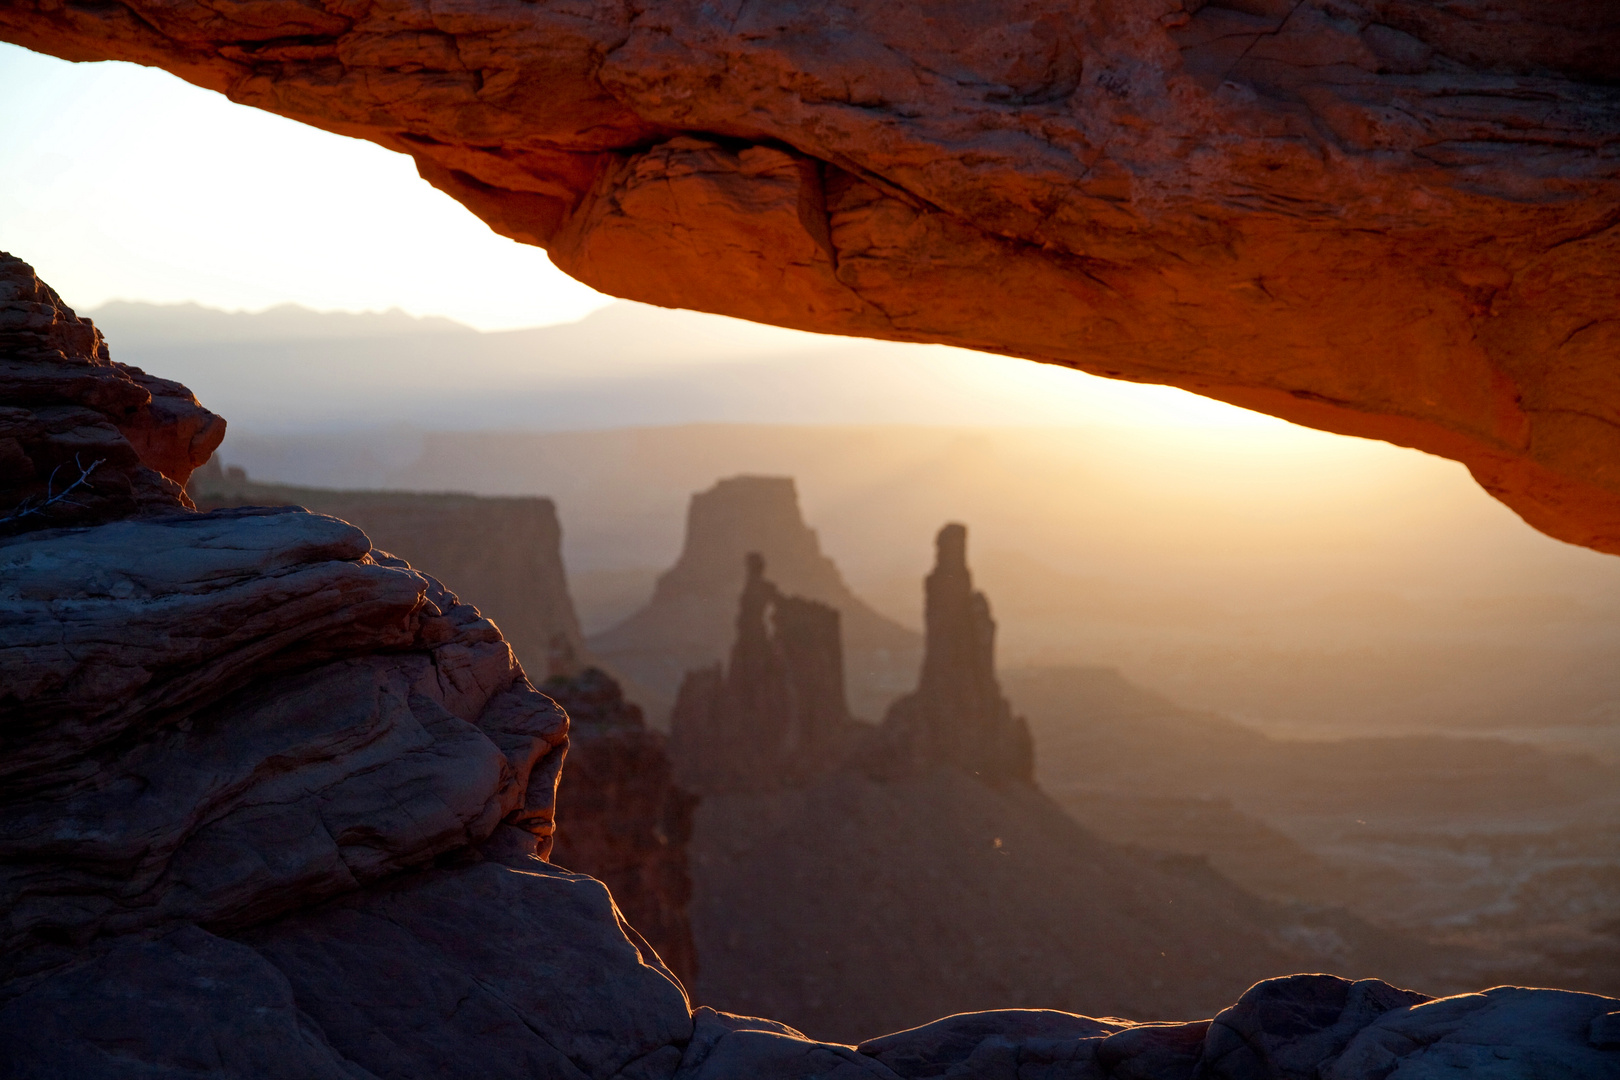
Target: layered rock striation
[
  {"x": 84, "y": 439},
  {"x": 1384, "y": 218},
  {"x": 503, "y": 553},
  {"x": 273, "y": 803},
  {"x": 627, "y": 822},
  {"x": 241, "y": 714}
]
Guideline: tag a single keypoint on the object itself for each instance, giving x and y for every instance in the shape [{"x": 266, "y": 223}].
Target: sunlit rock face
[{"x": 1378, "y": 217}]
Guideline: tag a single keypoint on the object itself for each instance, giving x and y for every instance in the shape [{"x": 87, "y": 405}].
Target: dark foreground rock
[
  {"x": 517, "y": 580},
  {"x": 82, "y": 438},
  {"x": 273, "y": 804},
  {"x": 624, "y": 819},
  {"x": 628, "y": 823}
]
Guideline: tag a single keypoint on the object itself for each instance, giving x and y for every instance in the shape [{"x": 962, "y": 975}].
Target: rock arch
[{"x": 1397, "y": 219}]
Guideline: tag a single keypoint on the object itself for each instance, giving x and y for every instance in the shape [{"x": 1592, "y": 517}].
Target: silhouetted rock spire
[
  {"x": 957, "y": 715},
  {"x": 690, "y": 621},
  {"x": 777, "y": 714}
]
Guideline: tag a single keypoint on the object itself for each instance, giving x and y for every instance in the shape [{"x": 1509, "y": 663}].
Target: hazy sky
[{"x": 123, "y": 182}]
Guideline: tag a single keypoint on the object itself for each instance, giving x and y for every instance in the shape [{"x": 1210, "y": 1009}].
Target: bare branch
[{"x": 30, "y": 507}]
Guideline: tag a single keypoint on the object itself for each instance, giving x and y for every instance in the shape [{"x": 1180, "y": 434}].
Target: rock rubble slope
[
  {"x": 1387, "y": 218},
  {"x": 276, "y": 804}
]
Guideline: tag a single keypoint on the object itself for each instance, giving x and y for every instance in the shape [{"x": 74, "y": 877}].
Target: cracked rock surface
[
  {"x": 82, "y": 437},
  {"x": 1398, "y": 219}
]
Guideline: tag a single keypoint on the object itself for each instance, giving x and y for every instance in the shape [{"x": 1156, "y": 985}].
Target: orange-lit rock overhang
[{"x": 1391, "y": 218}]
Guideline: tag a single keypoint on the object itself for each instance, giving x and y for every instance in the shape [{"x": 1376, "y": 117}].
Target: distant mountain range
[
  {"x": 293, "y": 369},
  {"x": 134, "y": 325}
]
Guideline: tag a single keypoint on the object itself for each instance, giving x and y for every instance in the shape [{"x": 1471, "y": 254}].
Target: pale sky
[
  {"x": 124, "y": 182},
  {"x": 120, "y": 182}
]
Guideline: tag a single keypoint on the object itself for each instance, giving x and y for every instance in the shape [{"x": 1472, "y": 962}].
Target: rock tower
[
  {"x": 776, "y": 715},
  {"x": 957, "y": 715}
]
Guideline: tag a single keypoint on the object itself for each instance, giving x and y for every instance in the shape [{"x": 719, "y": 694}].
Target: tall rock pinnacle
[
  {"x": 957, "y": 716},
  {"x": 777, "y": 715},
  {"x": 690, "y": 621}
]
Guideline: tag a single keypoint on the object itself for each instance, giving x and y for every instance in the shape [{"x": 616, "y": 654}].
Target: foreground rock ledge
[
  {"x": 1390, "y": 218},
  {"x": 275, "y": 804}
]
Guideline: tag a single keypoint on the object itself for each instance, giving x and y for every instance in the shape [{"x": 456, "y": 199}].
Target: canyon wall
[
  {"x": 1386, "y": 218},
  {"x": 503, "y": 553}
]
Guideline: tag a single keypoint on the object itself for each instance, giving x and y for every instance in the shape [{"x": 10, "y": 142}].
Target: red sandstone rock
[
  {"x": 1388, "y": 218},
  {"x": 624, "y": 820},
  {"x": 272, "y": 804},
  {"x": 84, "y": 439}
]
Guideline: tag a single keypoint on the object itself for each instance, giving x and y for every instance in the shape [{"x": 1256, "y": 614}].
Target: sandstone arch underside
[{"x": 1390, "y": 218}]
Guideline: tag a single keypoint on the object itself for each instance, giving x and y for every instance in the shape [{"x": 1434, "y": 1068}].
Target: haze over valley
[
  {"x": 1302, "y": 582},
  {"x": 1333, "y": 669},
  {"x": 438, "y": 644}
]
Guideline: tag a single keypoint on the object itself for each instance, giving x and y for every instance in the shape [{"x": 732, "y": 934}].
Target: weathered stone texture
[
  {"x": 1388, "y": 218},
  {"x": 518, "y": 582},
  {"x": 957, "y": 716},
  {"x": 243, "y": 713},
  {"x": 276, "y": 804},
  {"x": 624, "y": 819},
  {"x": 84, "y": 439}
]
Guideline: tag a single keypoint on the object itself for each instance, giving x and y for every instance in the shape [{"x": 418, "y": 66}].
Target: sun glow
[{"x": 123, "y": 182}]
